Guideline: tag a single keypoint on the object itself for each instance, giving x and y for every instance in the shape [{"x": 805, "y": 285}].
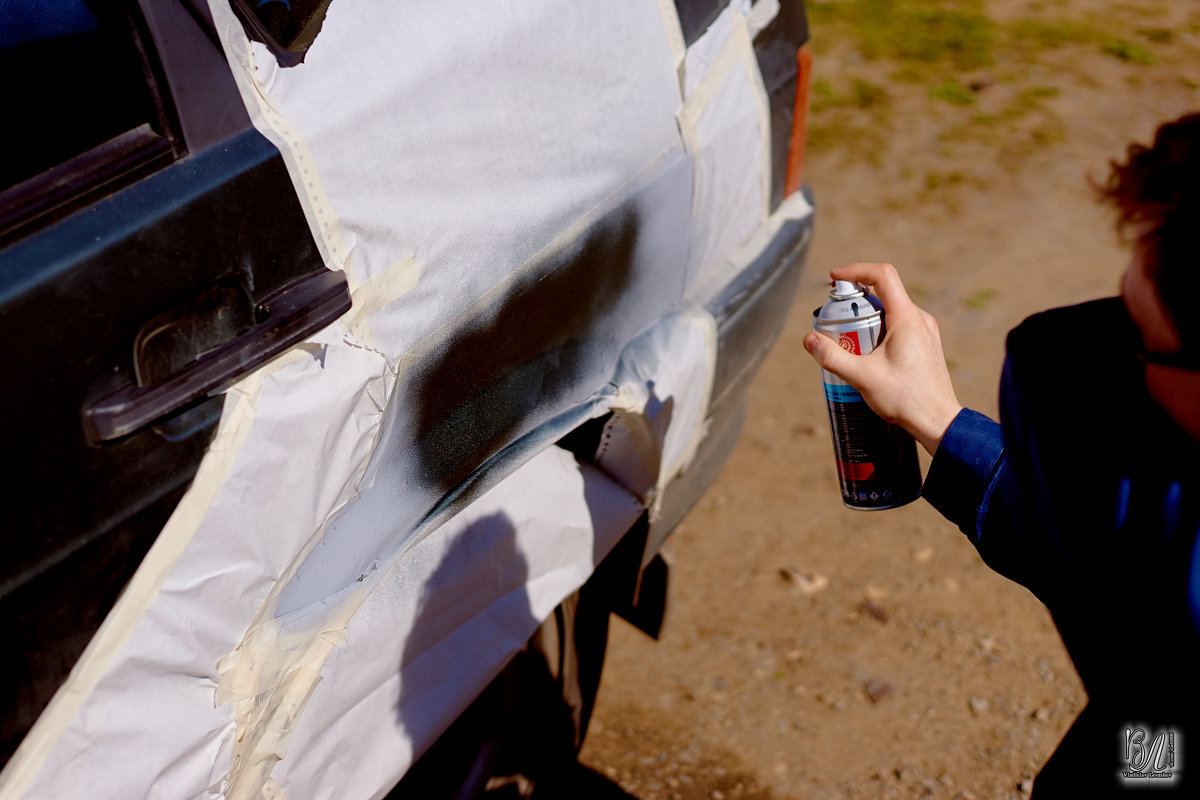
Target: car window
[{"x": 77, "y": 79}]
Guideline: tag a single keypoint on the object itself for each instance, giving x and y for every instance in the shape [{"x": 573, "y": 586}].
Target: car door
[{"x": 152, "y": 249}]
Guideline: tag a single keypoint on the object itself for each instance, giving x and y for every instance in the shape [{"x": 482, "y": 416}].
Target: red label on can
[
  {"x": 848, "y": 340},
  {"x": 855, "y": 472}
]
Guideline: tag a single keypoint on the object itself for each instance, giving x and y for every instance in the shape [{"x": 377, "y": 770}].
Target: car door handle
[{"x": 286, "y": 317}]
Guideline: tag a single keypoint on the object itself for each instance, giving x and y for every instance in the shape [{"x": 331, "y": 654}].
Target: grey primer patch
[{"x": 287, "y": 27}]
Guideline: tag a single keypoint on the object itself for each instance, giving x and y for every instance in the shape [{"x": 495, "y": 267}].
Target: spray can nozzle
[{"x": 846, "y": 289}]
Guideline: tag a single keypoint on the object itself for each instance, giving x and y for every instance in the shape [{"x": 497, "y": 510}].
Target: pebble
[
  {"x": 924, "y": 555},
  {"x": 878, "y": 690},
  {"x": 981, "y": 83},
  {"x": 875, "y": 592},
  {"x": 978, "y": 705},
  {"x": 1026, "y": 786},
  {"x": 808, "y": 583},
  {"x": 872, "y": 610},
  {"x": 1042, "y": 714}
]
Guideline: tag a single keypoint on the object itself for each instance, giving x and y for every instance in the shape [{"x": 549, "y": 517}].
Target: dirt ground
[{"x": 815, "y": 652}]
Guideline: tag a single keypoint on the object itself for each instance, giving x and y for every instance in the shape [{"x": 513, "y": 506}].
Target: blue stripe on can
[{"x": 842, "y": 393}]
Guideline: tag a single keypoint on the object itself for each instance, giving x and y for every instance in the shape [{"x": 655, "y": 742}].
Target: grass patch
[
  {"x": 1128, "y": 51},
  {"x": 1157, "y": 35},
  {"x": 854, "y": 119},
  {"x": 952, "y": 92},
  {"x": 1050, "y": 34},
  {"x": 942, "y": 180},
  {"x": 979, "y": 300},
  {"x": 972, "y": 73},
  {"x": 1025, "y": 102},
  {"x": 857, "y": 136},
  {"x": 869, "y": 95},
  {"x": 934, "y": 32},
  {"x": 862, "y": 94}
]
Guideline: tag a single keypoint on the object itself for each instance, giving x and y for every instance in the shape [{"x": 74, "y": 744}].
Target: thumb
[{"x": 832, "y": 357}]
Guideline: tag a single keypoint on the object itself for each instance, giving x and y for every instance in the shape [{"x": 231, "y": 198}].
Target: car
[{"x": 362, "y": 360}]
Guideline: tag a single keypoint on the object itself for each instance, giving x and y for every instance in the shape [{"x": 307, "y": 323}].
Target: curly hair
[{"x": 1156, "y": 192}]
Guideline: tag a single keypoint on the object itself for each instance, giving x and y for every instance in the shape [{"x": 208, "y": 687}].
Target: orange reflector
[{"x": 795, "y": 166}]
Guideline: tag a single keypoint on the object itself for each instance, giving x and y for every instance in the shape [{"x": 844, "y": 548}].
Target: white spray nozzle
[{"x": 845, "y": 289}]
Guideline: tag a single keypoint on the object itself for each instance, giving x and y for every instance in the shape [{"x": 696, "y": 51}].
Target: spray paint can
[{"x": 876, "y": 461}]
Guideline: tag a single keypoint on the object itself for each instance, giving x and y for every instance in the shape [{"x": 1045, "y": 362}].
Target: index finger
[{"x": 882, "y": 277}]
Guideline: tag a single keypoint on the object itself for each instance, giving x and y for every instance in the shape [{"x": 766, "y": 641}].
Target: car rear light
[{"x": 795, "y": 167}]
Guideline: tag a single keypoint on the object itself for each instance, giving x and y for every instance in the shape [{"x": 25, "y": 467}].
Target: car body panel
[{"x": 523, "y": 257}]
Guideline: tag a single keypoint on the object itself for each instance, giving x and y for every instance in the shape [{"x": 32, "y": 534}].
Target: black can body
[{"x": 876, "y": 461}]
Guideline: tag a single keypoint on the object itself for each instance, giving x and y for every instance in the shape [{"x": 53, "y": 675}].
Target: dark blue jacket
[{"x": 1089, "y": 495}]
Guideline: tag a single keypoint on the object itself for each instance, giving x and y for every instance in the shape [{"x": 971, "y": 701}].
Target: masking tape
[
  {"x": 379, "y": 290},
  {"x": 737, "y": 53},
  {"x": 271, "y": 123},
  {"x": 272, "y": 790},
  {"x": 675, "y": 40},
  {"x": 714, "y": 78},
  {"x": 736, "y": 61}
]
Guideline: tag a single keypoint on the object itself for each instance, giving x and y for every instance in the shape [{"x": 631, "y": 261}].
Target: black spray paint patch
[
  {"x": 287, "y": 27},
  {"x": 553, "y": 332}
]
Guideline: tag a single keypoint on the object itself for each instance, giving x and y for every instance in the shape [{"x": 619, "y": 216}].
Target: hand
[{"x": 905, "y": 379}]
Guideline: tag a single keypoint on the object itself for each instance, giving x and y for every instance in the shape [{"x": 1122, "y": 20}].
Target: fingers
[
  {"x": 883, "y": 278},
  {"x": 832, "y": 357}
]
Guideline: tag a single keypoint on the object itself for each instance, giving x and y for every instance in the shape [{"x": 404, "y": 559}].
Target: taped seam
[
  {"x": 322, "y": 220},
  {"x": 377, "y": 292},
  {"x": 675, "y": 40},
  {"x": 739, "y": 50}
]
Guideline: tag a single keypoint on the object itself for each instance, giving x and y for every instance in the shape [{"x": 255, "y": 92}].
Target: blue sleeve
[
  {"x": 972, "y": 483},
  {"x": 965, "y": 469}
]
